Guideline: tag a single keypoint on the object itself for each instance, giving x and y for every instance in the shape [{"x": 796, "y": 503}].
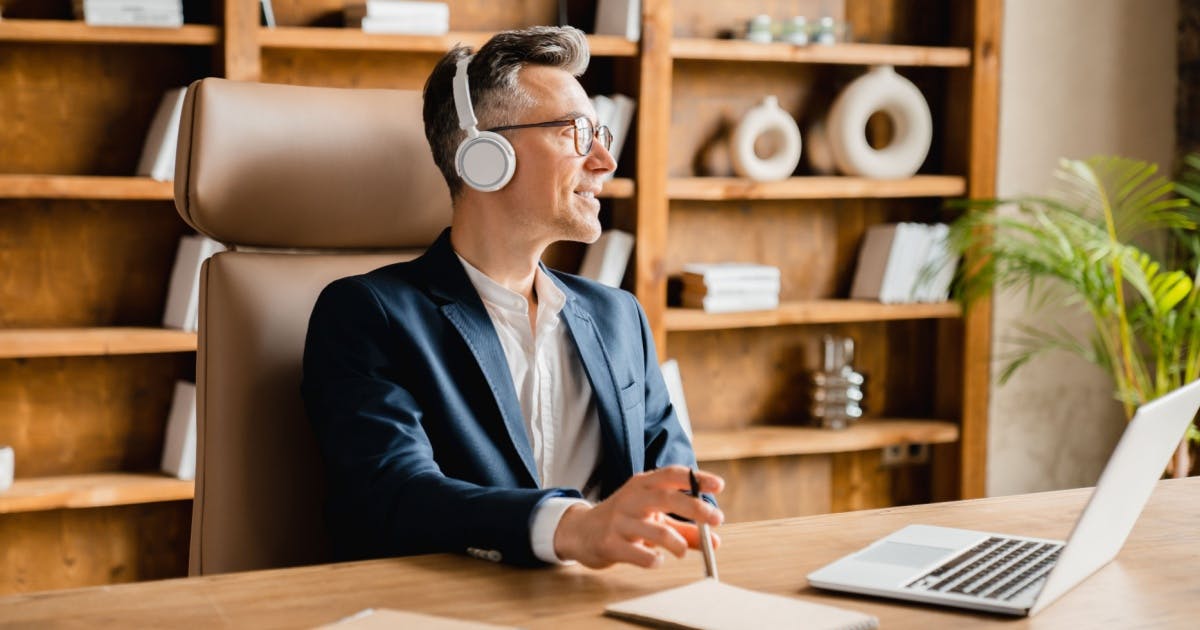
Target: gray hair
[{"x": 495, "y": 92}]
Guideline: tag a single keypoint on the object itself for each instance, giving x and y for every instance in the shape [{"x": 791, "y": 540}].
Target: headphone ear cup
[{"x": 486, "y": 162}]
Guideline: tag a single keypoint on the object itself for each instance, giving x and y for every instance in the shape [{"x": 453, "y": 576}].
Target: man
[{"x": 473, "y": 400}]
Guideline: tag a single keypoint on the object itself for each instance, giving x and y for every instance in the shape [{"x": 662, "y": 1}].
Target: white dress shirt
[{"x": 557, "y": 401}]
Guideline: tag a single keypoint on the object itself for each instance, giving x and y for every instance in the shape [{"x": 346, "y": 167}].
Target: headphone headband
[{"x": 462, "y": 99}]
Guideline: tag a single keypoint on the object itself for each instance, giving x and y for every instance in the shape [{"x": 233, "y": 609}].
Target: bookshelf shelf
[
  {"x": 768, "y": 441},
  {"x": 73, "y": 342},
  {"x": 95, "y": 490},
  {"x": 814, "y": 187},
  {"x": 852, "y": 54},
  {"x": 85, "y": 187},
  {"x": 76, "y": 32},
  {"x": 808, "y": 312},
  {"x": 318, "y": 38}
]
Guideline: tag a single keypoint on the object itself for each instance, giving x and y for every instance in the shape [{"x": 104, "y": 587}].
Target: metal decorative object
[{"x": 836, "y": 391}]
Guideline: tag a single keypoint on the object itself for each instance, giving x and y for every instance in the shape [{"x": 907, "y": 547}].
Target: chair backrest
[{"x": 304, "y": 185}]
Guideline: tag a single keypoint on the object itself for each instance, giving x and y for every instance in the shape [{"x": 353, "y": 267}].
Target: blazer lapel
[
  {"x": 466, "y": 313},
  {"x": 613, "y": 428}
]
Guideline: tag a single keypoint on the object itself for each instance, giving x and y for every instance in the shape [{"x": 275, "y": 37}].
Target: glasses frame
[{"x": 581, "y": 123}]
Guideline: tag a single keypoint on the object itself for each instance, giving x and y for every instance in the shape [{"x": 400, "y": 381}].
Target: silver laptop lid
[{"x": 1123, "y": 489}]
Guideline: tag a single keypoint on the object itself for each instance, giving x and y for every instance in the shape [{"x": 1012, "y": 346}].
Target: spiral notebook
[{"x": 713, "y": 605}]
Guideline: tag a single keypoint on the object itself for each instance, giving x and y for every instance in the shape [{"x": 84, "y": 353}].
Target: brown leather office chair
[{"x": 305, "y": 185}]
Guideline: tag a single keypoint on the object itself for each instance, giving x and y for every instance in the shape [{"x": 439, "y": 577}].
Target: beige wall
[{"x": 1079, "y": 78}]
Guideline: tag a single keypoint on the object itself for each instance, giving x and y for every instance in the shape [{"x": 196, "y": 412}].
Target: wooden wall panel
[
  {"x": 75, "y": 415},
  {"x": 773, "y": 487},
  {"x": 465, "y": 15},
  {"x": 85, "y": 109},
  {"x": 913, "y": 22},
  {"x": 73, "y": 548},
  {"x": 85, "y": 263},
  {"x": 736, "y": 378}
]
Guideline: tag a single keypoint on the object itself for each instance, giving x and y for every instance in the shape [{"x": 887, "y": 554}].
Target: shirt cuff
[{"x": 545, "y": 522}]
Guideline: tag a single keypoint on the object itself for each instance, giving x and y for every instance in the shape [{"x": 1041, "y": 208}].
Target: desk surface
[{"x": 1153, "y": 583}]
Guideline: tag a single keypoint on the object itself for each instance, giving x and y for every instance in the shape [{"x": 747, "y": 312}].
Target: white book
[
  {"x": 179, "y": 443},
  {"x": 933, "y": 282},
  {"x": 398, "y": 9},
  {"x": 162, "y": 139},
  {"x": 605, "y": 108},
  {"x": 151, "y": 20},
  {"x": 622, "y": 119},
  {"x": 619, "y": 17},
  {"x": 392, "y": 26},
  {"x": 606, "y": 259},
  {"x": 701, "y": 286},
  {"x": 733, "y": 304},
  {"x": 268, "y": 13},
  {"x": 712, "y": 273},
  {"x": 875, "y": 256},
  {"x": 183, "y": 294},
  {"x": 913, "y": 246},
  {"x": 674, "y": 382}
]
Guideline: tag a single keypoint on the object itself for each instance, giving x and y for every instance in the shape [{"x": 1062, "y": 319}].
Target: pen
[{"x": 710, "y": 558}]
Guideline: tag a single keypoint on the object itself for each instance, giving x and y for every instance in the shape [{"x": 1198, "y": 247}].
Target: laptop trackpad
[{"x": 903, "y": 554}]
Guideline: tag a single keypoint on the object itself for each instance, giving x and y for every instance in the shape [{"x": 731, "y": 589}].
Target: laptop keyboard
[{"x": 997, "y": 569}]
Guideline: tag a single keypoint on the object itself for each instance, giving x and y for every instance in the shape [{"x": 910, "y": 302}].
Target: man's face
[{"x": 553, "y": 191}]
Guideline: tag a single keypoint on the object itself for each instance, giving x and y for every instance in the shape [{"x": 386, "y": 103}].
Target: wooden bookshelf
[
  {"x": 772, "y": 441},
  {"x": 85, "y": 187},
  {"x": 77, "y": 342},
  {"x": 315, "y": 38},
  {"x": 76, "y": 32},
  {"x": 617, "y": 188},
  {"x": 853, "y": 54},
  {"x": 809, "y": 312},
  {"x": 814, "y": 187},
  {"x": 95, "y": 490}
]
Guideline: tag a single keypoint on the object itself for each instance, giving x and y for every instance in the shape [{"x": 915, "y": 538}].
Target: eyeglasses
[{"x": 585, "y": 132}]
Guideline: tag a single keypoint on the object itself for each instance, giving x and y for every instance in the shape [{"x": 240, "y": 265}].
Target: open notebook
[{"x": 712, "y": 605}]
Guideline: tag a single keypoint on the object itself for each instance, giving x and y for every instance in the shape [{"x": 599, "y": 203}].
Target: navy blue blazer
[{"x": 423, "y": 438}]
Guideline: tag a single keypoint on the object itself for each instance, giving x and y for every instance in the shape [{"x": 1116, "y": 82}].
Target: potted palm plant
[{"x": 1116, "y": 240}]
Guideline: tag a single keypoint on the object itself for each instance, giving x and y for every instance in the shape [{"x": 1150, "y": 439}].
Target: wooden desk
[{"x": 1153, "y": 583}]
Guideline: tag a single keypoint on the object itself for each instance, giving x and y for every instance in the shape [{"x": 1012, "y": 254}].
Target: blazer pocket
[{"x": 631, "y": 395}]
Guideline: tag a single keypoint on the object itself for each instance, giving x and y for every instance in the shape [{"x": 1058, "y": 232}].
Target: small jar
[
  {"x": 795, "y": 31},
  {"x": 826, "y": 34},
  {"x": 759, "y": 29}
]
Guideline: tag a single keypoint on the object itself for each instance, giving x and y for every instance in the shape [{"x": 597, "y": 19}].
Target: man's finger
[
  {"x": 691, "y": 533},
  {"x": 654, "y": 534},
  {"x": 678, "y": 477},
  {"x": 673, "y": 502}
]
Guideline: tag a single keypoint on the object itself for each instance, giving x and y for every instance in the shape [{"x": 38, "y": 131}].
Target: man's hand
[{"x": 633, "y": 524}]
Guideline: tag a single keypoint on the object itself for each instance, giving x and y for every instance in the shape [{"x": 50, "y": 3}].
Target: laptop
[{"x": 1019, "y": 575}]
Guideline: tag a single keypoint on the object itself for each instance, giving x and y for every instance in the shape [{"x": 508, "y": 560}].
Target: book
[
  {"x": 674, "y": 382},
  {"x": 933, "y": 282},
  {"x": 902, "y": 263},
  {"x": 183, "y": 293},
  {"x": 874, "y": 256},
  {"x": 268, "y": 14},
  {"x": 711, "y": 273},
  {"x": 701, "y": 286},
  {"x": 606, "y": 259},
  {"x": 622, "y": 120},
  {"x": 732, "y": 303},
  {"x": 912, "y": 247},
  {"x": 162, "y": 139},
  {"x": 714, "y": 605},
  {"x": 179, "y": 443},
  {"x": 400, "y": 26},
  {"x": 155, "y": 13},
  {"x": 399, "y": 9},
  {"x": 619, "y": 17}
]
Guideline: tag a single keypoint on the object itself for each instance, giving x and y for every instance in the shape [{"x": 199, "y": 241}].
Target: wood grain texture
[
  {"x": 75, "y": 548},
  {"x": 1146, "y": 586},
  {"x": 850, "y": 53},
  {"x": 770, "y": 441},
  {"x": 465, "y": 15},
  {"x": 95, "y": 490},
  {"x": 814, "y": 187},
  {"x": 241, "y": 57},
  {"x": 85, "y": 263},
  {"x": 310, "y": 38},
  {"x": 84, "y": 187},
  {"x": 67, "y": 416},
  {"x": 808, "y": 312},
  {"x": 76, "y": 32},
  {"x": 78, "y": 342},
  {"x": 78, "y": 109},
  {"x": 773, "y": 487},
  {"x": 711, "y": 19}
]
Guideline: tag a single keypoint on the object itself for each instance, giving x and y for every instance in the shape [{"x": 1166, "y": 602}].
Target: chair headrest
[{"x": 285, "y": 166}]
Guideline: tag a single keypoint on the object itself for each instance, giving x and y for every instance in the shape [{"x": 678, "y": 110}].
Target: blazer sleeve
[{"x": 387, "y": 495}]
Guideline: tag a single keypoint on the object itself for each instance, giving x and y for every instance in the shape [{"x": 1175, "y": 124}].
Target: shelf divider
[
  {"x": 85, "y": 187},
  {"x": 769, "y": 441},
  {"x": 74, "y": 342},
  {"x": 814, "y": 187},
  {"x": 94, "y": 490},
  {"x": 850, "y": 54}
]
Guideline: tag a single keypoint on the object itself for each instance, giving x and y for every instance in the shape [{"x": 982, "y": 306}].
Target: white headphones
[{"x": 484, "y": 160}]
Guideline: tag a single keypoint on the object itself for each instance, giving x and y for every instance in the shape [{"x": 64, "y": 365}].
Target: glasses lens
[
  {"x": 606, "y": 137},
  {"x": 583, "y": 136}
]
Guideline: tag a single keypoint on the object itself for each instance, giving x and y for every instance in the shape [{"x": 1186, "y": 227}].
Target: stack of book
[
  {"x": 730, "y": 287},
  {"x": 162, "y": 139},
  {"x": 399, "y": 17},
  {"x": 615, "y": 112},
  {"x": 903, "y": 263},
  {"x": 159, "y": 13}
]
